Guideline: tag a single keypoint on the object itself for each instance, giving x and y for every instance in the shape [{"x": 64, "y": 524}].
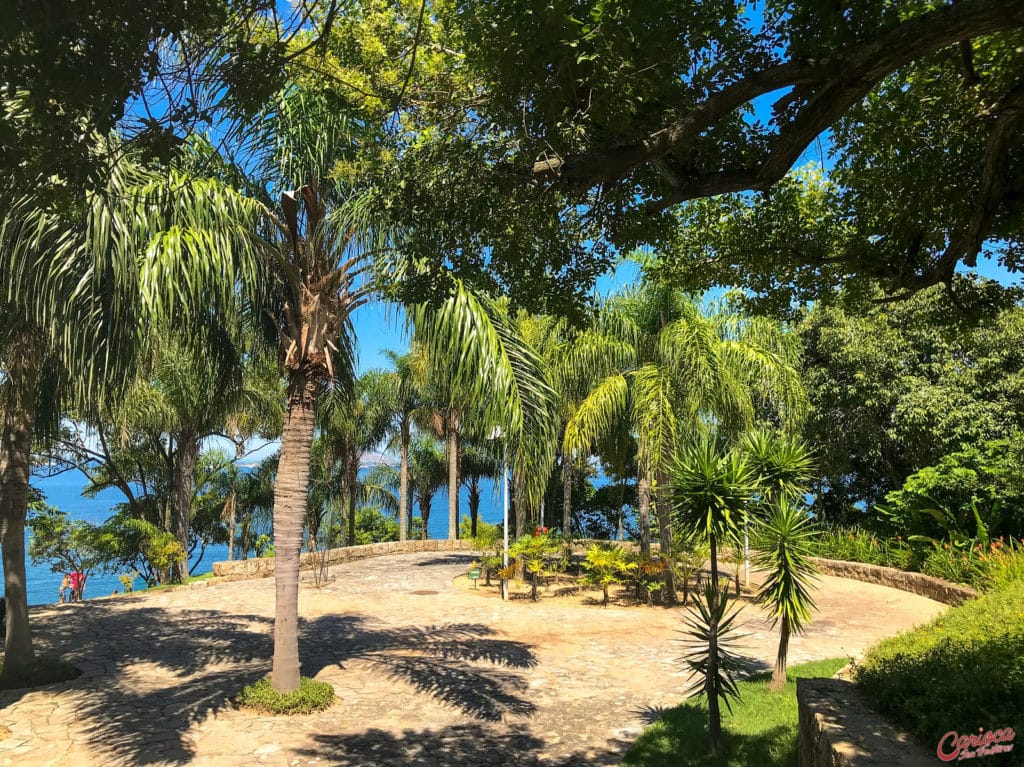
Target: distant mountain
[{"x": 373, "y": 458}]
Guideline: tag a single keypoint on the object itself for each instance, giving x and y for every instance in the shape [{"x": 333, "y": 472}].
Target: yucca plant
[
  {"x": 710, "y": 492},
  {"x": 711, "y": 627},
  {"x": 786, "y": 544}
]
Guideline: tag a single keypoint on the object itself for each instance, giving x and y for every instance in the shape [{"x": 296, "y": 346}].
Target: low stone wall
[
  {"x": 916, "y": 583},
  {"x": 838, "y": 729},
  {"x": 263, "y": 567}
]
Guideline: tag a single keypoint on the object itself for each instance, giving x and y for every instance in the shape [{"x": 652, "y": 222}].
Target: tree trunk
[
  {"x": 353, "y": 480},
  {"x": 425, "y": 516},
  {"x": 710, "y": 688},
  {"x": 15, "y": 455},
  {"x": 403, "y": 485},
  {"x": 474, "y": 504},
  {"x": 643, "y": 488},
  {"x": 453, "y": 481},
  {"x": 181, "y": 509},
  {"x": 231, "y": 526},
  {"x": 779, "y": 673},
  {"x": 665, "y": 538},
  {"x": 291, "y": 491},
  {"x": 567, "y": 496}
]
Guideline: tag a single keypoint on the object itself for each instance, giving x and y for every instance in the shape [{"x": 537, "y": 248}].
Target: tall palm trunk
[
  {"x": 665, "y": 537},
  {"x": 779, "y": 672},
  {"x": 474, "y": 504},
  {"x": 453, "y": 479},
  {"x": 643, "y": 489},
  {"x": 15, "y": 455},
  {"x": 425, "y": 516},
  {"x": 403, "y": 484},
  {"x": 290, "y": 500},
  {"x": 181, "y": 509},
  {"x": 353, "y": 489},
  {"x": 232, "y": 501},
  {"x": 567, "y": 495}
]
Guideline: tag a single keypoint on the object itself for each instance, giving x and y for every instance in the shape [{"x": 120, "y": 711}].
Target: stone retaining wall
[
  {"x": 916, "y": 583},
  {"x": 838, "y": 729},
  {"x": 263, "y": 567}
]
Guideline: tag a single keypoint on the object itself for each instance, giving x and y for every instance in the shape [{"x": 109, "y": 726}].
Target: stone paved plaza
[{"x": 427, "y": 672}]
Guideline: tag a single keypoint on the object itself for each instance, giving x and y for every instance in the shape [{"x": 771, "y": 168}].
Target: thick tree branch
[{"x": 824, "y": 89}]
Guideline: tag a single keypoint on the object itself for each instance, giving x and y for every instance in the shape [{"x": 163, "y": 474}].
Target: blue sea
[{"x": 65, "y": 492}]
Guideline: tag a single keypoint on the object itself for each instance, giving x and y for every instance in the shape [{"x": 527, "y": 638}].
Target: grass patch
[
  {"x": 761, "y": 730},
  {"x": 311, "y": 696},
  {"x": 189, "y": 579},
  {"x": 45, "y": 669},
  {"x": 962, "y": 671}
]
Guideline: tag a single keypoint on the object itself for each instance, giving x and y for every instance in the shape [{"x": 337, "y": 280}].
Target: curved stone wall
[
  {"x": 264, "y": 566},
  {"x": 916, "y": 583}
]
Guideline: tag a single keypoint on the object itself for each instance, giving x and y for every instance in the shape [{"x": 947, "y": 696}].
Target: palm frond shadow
[
  {"x": 152, "y": 674},
  {"x": 434, "y": 660},
  {"x": 465, "y": 745}
]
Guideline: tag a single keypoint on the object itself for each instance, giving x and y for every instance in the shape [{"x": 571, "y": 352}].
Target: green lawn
[{"x": 761, "y": 730}]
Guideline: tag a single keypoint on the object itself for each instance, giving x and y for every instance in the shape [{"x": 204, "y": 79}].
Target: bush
[
  {"x": 45, "y": 670},
  {"x": 311, "y": 696},
  {"x": 962, "y": 671}
]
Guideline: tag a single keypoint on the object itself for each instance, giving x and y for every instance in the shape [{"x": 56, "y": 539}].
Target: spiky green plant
[
  {"x": 785, "y": 542},
  {"x": 711, "y": 628}
]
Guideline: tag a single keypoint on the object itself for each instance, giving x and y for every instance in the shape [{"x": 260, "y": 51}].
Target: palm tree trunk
[
  {"x": 665, "y": 538},
  {"x": 643, "y": 488},
  {"x": 403, "y": 485},
  {"x": 181, "y": 509},
  {"x": 567, "y": 495},
  {"x": 453, "y": 481},
  {"x": 779, "y": 673},
  {"x": 15, "y": 453},
  {"x": 353, "y": 479},
  {"x": 474, "y": 504},
  {"x": 291, "y": 491},
  {"x": 231, "y": 527},
  {"x": 425, "y": 516}
]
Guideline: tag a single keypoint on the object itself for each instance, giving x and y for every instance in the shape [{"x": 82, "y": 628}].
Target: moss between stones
[
  {"x": 44, "y": 670},
  {"x": 311, "y": 696}
]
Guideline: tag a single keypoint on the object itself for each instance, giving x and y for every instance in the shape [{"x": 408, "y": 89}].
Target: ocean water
[{"x": 65, "y": 492}]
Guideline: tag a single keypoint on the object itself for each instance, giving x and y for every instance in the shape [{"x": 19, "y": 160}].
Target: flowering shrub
[{"x": 983, "y": 566}]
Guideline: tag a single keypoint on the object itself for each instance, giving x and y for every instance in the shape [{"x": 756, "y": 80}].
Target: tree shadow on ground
[
  {"x": 151, "y": 674},
  {"x": 448, "y": 560},
  {"x": 467, "y": 745}
]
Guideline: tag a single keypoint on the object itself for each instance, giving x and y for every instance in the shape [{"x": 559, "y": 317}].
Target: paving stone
[{"x": 455, "y": 678}]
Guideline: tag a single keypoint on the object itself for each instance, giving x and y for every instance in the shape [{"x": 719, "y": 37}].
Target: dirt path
[{"x": 439, "y": 677}]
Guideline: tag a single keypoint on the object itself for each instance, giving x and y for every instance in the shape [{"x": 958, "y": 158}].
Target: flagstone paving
[{"x": 444, "y": 676}]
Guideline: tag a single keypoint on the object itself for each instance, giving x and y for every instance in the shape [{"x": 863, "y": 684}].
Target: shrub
[
  {"x": 311, "y": 696},
  {"x": 604, "y": 564},
  {"x": 539, "y": 553},
  {"x": 44, "y": 670},
  {"x": 962, "y": 671}
]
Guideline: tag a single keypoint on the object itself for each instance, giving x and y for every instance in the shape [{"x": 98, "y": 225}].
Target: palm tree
[
  {"x": 710, "y": 494},
  {"x": 351, "y": 424},
  {"x": 429, "y": 473},
  {"x": 666, "y": 372},
  {"x": 493, "y": 378},
  {"x": 785, "y": 551},
  {"x": 477, "y": 463},
  {"x": 403, "y": 395},
  {"x": 68, "y": 319}
]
